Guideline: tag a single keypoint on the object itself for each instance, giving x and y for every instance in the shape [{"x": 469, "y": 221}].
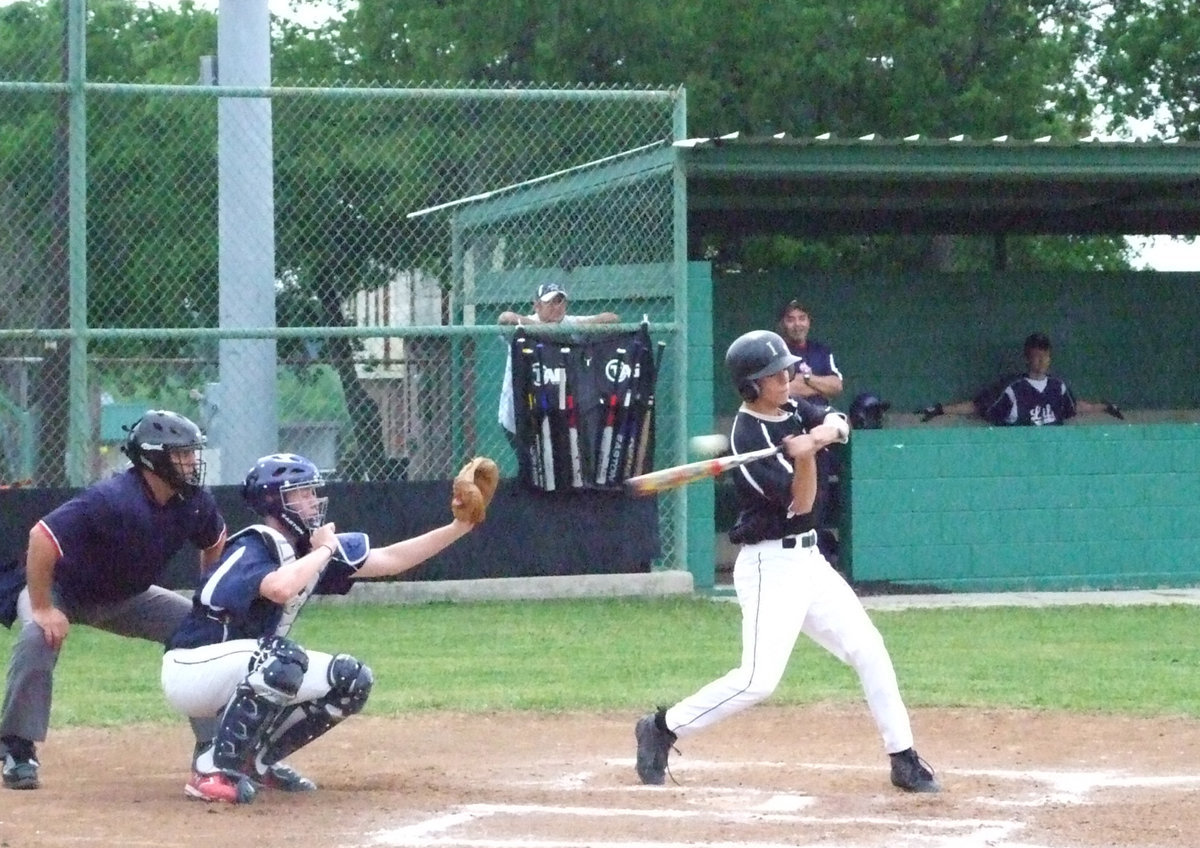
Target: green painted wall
[
  {"x": 1048, "y": 508},
  {"x": 974, "y": 508},
  {"x": 1133, "y": 338}
]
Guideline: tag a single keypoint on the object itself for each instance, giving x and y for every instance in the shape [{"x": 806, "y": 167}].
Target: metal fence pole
[
  {"x": 245, "y": 425},
  {"x": 79, "y": 418}
]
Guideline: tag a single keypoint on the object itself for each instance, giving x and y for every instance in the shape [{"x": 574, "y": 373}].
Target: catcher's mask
[
  {"x": 169, "y": 445},
  {"x": 286, "y": 486},
  {"x": 866, "y": 412}
]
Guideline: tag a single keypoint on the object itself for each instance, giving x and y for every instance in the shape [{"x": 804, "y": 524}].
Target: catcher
[{"x": 231, "y": 658}]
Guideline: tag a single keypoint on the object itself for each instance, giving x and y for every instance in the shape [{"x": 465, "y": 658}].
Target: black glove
[
  {"x": 1113, "y": 410},
  {"x": 930, "y": 412}
]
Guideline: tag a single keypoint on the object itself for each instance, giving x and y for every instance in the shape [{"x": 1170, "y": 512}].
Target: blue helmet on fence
[
  {"x": 285, "y": 485},
  {"x": 866, "y": 413}
]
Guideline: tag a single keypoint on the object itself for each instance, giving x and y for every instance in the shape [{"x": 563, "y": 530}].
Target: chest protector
[{"x": 283, "y": 552}]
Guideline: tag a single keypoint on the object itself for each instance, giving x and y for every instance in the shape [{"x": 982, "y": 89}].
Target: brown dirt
[{"x": 772, "y": 776}]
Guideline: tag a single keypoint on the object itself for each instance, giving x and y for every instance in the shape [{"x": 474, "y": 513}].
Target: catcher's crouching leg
[
  {"x": 255, "y": 707},
  {"x": 349, "y": 685}
]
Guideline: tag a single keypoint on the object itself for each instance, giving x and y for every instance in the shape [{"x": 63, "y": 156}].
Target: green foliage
[
  {"x": 306, "y": 393},
  {"x": 907, "y": 254},
  {"x": 979, "y": 68},
  {"x": 607, "y": 655},
  {"x": 1146, "y": 64},
  {"x": 313, "y": 393}
]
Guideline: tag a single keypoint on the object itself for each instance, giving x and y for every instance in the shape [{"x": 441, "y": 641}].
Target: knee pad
[
  {"x": 349, "y": 684},
  {"x": 299, "y": 724},
  {"x": 278, "y": 669}
]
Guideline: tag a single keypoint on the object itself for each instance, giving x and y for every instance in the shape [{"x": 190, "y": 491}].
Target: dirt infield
[{"x": 773, "y": 776}]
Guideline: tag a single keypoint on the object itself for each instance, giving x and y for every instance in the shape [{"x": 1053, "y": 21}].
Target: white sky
[
  {"x": 1167, "y": 254},
  {"x": 306, "y": 12}
]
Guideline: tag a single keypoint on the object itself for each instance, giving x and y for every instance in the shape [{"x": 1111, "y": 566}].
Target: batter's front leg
[
  {"x": 773, "y": 596},
  {"x": 838, "y": 622}
]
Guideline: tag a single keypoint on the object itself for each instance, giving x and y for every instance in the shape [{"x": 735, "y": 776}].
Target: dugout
[{"x": 1099, "y": 503}]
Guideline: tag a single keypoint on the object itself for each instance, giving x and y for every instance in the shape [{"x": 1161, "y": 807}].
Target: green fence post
[{"x": 698, "y": 415}]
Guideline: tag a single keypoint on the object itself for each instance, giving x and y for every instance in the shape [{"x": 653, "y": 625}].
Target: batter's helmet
[
  {"x": 866, "y": 412},
  {"x": 756, "y": 354},
  {"x": 268, "y": 481},
  {"x": 155, "y": 436}
]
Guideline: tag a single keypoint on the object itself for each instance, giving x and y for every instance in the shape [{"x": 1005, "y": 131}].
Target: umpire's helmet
[
  {"x": 157, "y": 435},
  {"x": 273, "y": 476},
  {"x": 756, "y": 354},
  {"x": 866, "y": 412}
]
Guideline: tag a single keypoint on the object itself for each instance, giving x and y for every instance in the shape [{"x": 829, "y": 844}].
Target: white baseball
[{"x": 709, "y": 445}]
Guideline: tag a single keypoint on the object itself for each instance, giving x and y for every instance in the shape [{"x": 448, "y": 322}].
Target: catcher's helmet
[
  {"x": 866, "y": 412},
  {"x": 756, "y": 354},
  {"x": 157, "y": 435},
  {"x": 268, "y": 481}
]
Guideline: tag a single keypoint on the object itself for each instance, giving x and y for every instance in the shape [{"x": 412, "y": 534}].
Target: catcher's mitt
[{"x": 474, "y": 486}]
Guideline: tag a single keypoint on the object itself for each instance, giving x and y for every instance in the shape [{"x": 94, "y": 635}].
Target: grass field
[{"x": 631, "y": 654}]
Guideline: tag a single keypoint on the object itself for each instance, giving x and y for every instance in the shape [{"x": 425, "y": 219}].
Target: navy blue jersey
[
  {"x": 1032, "y": 403},
  {"x": 764, "y": 488},
  {"x": 114, "y": 540},
  {"x": 817, "y": 357},
  {"x": 227, "y": 604}
]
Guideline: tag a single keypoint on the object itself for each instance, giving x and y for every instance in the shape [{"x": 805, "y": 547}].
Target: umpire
[{"x": 94, "y": 560}]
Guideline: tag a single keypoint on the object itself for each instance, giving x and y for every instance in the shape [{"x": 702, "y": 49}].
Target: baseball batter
[
  {"x": 784, "y": 585},
  {"x": 232, "y": 657}
]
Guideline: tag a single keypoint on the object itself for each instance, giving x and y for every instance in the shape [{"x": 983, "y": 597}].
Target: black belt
[{"x": 804, "y": 540}]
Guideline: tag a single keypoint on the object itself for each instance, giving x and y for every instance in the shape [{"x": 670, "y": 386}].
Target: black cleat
[
  {"x": 654, "y": 743},
  {"x": 913, "y": 774},
  {"x": 283, "y": 777},
  {"x": 20, "y": 764}
]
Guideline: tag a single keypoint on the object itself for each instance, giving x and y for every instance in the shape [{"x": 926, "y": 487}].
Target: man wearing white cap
[{"x": 549, "y": 307}]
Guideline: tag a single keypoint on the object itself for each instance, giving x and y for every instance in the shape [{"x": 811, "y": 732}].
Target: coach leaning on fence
[{"x": 549, "y": 307}]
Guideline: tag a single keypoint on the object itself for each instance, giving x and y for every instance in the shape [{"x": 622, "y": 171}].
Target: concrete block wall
[{"x": 1004, "y": 509}]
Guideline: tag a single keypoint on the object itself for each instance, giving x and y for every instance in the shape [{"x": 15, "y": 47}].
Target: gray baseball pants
[{"x": 152, "y": 615}]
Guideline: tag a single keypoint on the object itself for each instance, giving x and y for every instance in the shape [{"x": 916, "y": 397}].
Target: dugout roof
[{"x": 823, "y": 186}]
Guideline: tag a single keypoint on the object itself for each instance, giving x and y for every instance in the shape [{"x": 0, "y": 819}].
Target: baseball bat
[
  {"x": 607, "y": 435},
  {"x": 632, "y": 423},
  {"x": 535, "y": 443},
  {"x": 643, "y": 403},
  {"x": 572, "y": 425},
  {"x": 621, "y": 425},
  {"x": 680, "y": 475},
  {"x": 643, "y": 442},
  {"x": 547, "y": 441}
]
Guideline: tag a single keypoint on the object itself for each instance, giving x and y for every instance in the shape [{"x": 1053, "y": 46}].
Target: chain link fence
[{"x": 399, "y": 224}]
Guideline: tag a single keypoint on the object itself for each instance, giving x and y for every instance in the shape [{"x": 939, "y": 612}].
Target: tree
[
  {"x": 1148, "y": 65},
  {"x": 979, "y": 67}
]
